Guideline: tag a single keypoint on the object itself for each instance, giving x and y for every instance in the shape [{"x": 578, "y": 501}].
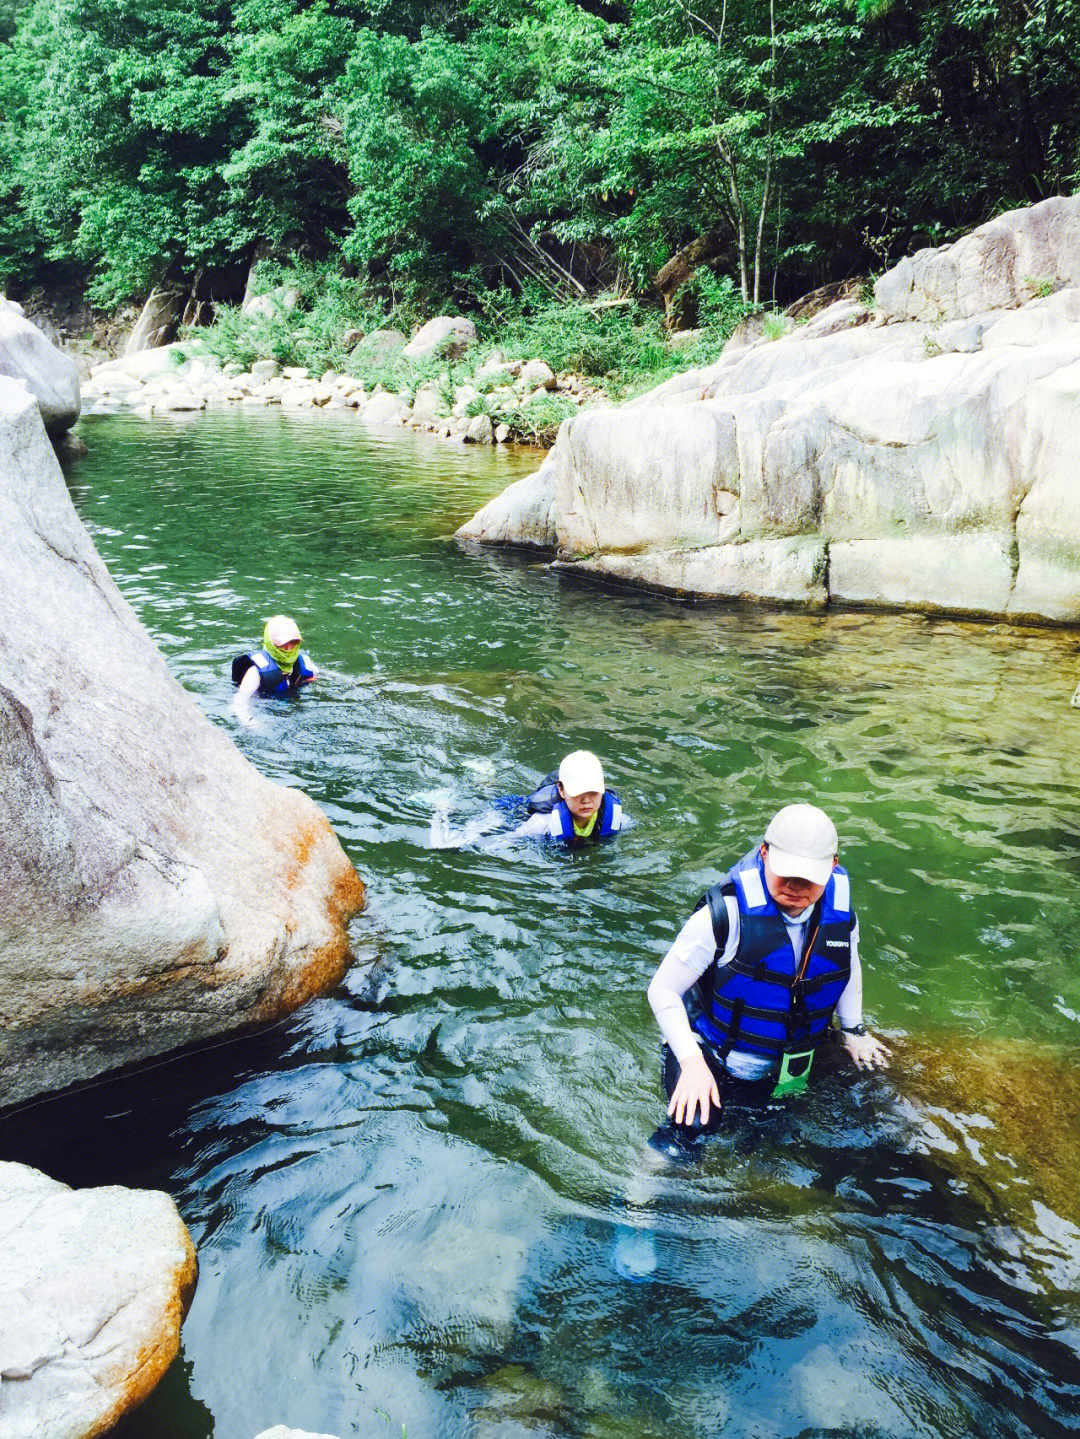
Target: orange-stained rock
[{"x": 94, "y": 1285}]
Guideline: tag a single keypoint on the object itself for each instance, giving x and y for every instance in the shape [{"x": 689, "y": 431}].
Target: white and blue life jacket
[
  {"x": 763, "y": 1001},
  {"x": 545, "y": 800},
  {"x": 272, "y": 678}
]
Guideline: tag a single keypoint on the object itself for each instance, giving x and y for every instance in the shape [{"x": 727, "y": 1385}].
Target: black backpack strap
[{"x": 715, "y": 898}]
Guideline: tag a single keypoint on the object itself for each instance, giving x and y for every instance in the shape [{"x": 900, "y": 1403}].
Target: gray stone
[
  {"x": 157, "y": 890},
  {"x": 479, "y": 430},
  {"x": 351, "y": 338},
  {"x": 914, "y": 464},
  {"x": 429, "y": 403},
  {"x": 447, "y": 336},
  {"x": 46, "y": 372},
  {"x": 181, "y": 399},
  {"x": 382, "y": 344},
  {"x": 502, "y": 434},
  {"x": 166, "y": 361},
  {"x": 384, "y": 409},
  {"x": 94, "y": 1284},
  {"x": 283, "y": 299},
  {"x": 265, "y": 370},
  {"x": 1001, "y": 265},
  {"x": 538, "y": 374}
]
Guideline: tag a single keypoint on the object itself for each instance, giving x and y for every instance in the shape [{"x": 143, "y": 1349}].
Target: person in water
[
  {"x": 574, "y": 806},
  {"x": 279, "y": 668},
  {"x": 771, "y": 954}
]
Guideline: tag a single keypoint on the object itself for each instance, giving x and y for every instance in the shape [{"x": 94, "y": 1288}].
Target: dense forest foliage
[{"x": 446, "y": 149}]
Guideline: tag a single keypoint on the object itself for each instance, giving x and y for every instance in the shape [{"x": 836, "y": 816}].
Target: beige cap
[
  {"x": 802, "y": 843},
  {"x": 581, "y": 773},
  {"x": 282, "y": 630}
]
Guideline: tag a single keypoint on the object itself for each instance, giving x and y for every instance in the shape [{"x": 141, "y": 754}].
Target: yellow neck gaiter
[
  {"x": 284, "y": 659},
  {"x": 584, "y": 830}
]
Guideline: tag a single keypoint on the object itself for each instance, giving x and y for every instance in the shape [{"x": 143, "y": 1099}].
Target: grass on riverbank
[{"x": 615, "y": 347}]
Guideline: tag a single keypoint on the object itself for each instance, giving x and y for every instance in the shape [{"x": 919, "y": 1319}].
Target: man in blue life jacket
[
  {"x": 771, "y": 954},
  {"x": 280, "y": 668},
  {"x": 575, "y": 807}
]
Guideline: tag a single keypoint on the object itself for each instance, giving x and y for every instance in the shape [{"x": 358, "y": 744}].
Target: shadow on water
[{"x": 405, "y": 1198}]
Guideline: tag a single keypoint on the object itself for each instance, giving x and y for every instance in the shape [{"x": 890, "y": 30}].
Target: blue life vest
[
  {"x": 762, "y": 1002},
  {"x": 272, "y": 678},
  {"x": 545, "y": 800}
]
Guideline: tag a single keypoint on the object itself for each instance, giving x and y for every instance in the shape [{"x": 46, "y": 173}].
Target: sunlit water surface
[{"x": 405, "y": 1198}]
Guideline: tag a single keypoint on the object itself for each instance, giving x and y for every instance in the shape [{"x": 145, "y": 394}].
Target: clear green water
[{"x": 404, "y": 1198}]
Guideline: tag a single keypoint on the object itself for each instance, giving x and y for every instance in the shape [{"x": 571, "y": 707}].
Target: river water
[{"x": 405, "y": 1198}]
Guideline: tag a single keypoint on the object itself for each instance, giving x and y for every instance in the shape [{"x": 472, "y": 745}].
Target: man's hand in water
[
  {"x": 866, "y": 1051},
  {"x": 696, "y": 1087}
]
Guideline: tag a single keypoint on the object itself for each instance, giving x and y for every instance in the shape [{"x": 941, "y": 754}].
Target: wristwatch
[{"x": 853, "y": 1029}]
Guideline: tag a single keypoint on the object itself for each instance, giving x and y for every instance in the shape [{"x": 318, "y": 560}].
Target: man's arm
[
  {"x": 681, "y": 968},
  {"x": 866, "y": 1050}
]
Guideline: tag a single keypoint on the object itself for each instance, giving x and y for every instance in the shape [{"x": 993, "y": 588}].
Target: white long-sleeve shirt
[
  {"x": 541, "y": 826},
  {"x": 690, "y": 956}
]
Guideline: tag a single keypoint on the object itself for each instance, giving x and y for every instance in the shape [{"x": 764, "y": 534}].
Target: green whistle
[{"x": 794, "y": 1072}]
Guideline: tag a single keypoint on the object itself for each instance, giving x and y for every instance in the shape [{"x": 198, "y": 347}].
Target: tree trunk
[{"x": 672, "y": 276}]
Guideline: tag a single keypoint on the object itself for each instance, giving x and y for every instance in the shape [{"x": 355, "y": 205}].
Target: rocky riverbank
[
  {"x": 181, "y": 377},
  {"x": 916, "y": 453},
  {"x": 493, "y": 408}
]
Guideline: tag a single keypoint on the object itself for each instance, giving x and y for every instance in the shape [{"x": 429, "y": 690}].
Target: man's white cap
[
  {"x": 581, "y": 773},
  {"x": 802, "y": 843}
]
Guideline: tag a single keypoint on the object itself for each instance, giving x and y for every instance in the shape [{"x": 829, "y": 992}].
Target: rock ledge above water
[{"x": 866, "y": 457}]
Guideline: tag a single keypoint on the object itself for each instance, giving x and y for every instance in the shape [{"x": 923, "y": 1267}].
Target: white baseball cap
[
  {"x": 581, "y": 773},
  {"x": 802, "y": 843}
]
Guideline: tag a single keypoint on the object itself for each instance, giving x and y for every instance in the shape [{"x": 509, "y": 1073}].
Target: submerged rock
[
  {"x": 94, "y": 1284},
  {"x": 44, "y": 371},
  {"x": 157, "y": 890},
  {"x": 281, "y": 1431},
  {"x": 875, "y": 459},
  {"x": 1005, "y": 1114}
]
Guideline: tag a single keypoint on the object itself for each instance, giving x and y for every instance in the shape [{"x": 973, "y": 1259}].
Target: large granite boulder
[
  {"x": 46, "y": 372},
  {"x": 863, "y": 457},
  {"x": 157, "y": 890},
  {"x": 94, "y": 1284}
]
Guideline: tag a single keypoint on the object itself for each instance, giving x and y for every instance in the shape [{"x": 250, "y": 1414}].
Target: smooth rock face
[
  {"x": 1000, "y": 265},
  {"x": 910, "y": 464},
  {"x": 94, "y": 1284},
  {"x": 159, "y": 321},
  {"x": 46, "y": 372},
  {"x": 157, "y": 890},
  {"x": 448, "y": 336}
]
